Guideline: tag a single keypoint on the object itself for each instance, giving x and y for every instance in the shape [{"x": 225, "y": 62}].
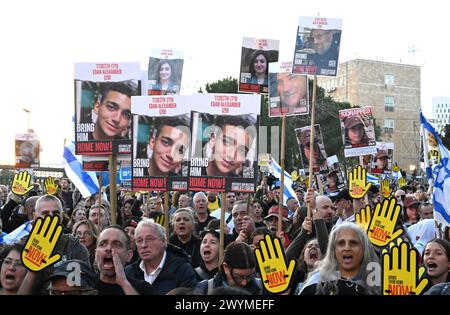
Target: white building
[{"x": 441, "y": 113}]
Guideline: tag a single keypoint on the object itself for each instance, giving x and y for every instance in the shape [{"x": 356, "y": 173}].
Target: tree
[{"x": 227, "y": 85}]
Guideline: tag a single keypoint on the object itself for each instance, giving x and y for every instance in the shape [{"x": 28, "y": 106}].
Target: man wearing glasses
[
  {"x": 164, "y": 266},
  {"x": 326, "y": 50}
]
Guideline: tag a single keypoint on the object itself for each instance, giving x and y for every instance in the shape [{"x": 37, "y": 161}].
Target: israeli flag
[
  {"x": 372, "y": 179},
  {"x": 288, "y": 191},
  {"x": 86, "y": 182},
  {"x": 439, "y": 168},
  {"x": 19, "y": 233}
]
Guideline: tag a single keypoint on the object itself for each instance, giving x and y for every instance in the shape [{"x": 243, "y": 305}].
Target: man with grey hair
[
  {"x": 202, "y": 216},
  {"x": 163, "y": 265},
  {"x": 68, "y": 245}
]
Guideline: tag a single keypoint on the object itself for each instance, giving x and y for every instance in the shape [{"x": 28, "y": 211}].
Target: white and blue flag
[
  {"x": 288, "y": 191},
  {"x": 86, "y": 182},
  {"x": 437, "y": 163}
]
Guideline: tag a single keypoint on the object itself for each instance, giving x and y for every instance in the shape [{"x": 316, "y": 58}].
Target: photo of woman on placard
[
  {"x": 259, "y": 68},
  {"x": 166, "y": 82}
]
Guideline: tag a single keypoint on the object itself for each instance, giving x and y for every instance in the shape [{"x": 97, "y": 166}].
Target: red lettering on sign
[
  {"x": 140, "y": 183},
  {"x": 85, "y": 147},
  {"x": 197, "y": 182},
  {"x": 158, "y": 182}
]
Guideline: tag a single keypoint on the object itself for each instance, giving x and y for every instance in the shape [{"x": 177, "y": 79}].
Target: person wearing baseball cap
[
  {"x": 271, "y": 221},
  {"x": 303, "y": 139},
  {"x": 355, "y": 134},
  {"x": 382, "y": 158},
  {"x": 411, "y": 210},
  {"x": 72, "y": 277}
]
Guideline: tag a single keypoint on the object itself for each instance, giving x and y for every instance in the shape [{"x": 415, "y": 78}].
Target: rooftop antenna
[{"x": 411, "y": 51}]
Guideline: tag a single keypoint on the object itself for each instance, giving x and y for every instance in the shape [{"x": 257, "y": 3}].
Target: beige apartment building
[{"x": 393, "y": 90}]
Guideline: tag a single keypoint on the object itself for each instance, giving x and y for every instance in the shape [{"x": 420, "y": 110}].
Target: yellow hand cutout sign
[
  {"x": 159, "y": 219},
  {"x": 50, "y": 186},
  {"x": 363, "y": 218},
  {"x": 386, "y": 188},
  {"x": 401, "y": 272},
  {"x": 384, "y": 220},
  {"x": 21, "y": 183},
  {"x": 37, "y": 253},
  {"x": 358, "y": 184},
  {"x": 401, "y": 182},
  {"x": 276, "y": 275}
]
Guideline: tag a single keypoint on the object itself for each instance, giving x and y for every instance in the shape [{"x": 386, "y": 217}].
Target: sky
[{"x": 41, "y": 40}]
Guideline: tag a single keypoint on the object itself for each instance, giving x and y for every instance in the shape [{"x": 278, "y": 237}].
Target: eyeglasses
[
  {"x": 71, "y": 292},
  {"x": 148, "y": 240},
  {"x": 8, "y": 262},
  {"x": 239, "y": 278},
  {"x": 85, "y": 234}
]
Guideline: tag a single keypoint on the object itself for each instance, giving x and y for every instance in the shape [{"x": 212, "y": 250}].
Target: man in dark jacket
[{"x": 162, "y": 265}]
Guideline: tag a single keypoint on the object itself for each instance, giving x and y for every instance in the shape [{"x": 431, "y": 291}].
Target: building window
[
  {"x": 389, "y": 125},
  {"x": 389, "y": 79},
  {"x": 389, "y": 103}
]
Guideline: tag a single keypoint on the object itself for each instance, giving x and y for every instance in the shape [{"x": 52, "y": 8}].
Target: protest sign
[
  {"x": 161, "y": 142},
  {"x": 381, "y": 161},
  {"x": 288, "y": 93},
  {"x": 317, "y": 46},
  {"x": 358, "y": 132},
  {"x": 255, "y": 58},
  {"x": 27, "y": 150},
  {"x": 165, "y": 69},
  {"x": 103, "y": 107},
  {"x": 320, "y": 164},
  {"x": 224, "y": 153}
]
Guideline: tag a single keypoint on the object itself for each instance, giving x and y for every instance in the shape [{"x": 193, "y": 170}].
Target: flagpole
[
  {"x": 166, "y": 212},
  {"x": 282, "y": 155},
  {"x": 99, "y": 201},
  {"x": 113, "y": 187},
  {"x": 311, "y": 140},
  {"x": 222, "y": 229}
]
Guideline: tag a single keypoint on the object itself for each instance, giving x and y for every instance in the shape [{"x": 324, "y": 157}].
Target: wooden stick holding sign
[
  {"x": 311, "y": 140},
  {"x": 282, "y": 156},
  {"x": 166, "y": 213},
  {"x": 113, "y": 187},
  {"x": 99, "y": 201},
  {"x": 222, "y": 229}
]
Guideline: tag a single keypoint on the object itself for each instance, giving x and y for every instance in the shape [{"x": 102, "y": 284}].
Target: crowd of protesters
[{"x": 138, "y": 256}]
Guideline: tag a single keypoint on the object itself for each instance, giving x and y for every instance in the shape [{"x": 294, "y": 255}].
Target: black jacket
[
  {"x": 192, "y": 248},
  {"x": 254, "y": 287},
  {"x": 176, "y": 272}
]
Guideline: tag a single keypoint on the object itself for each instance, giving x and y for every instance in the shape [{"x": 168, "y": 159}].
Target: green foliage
[{"x": 227, "y": 85}]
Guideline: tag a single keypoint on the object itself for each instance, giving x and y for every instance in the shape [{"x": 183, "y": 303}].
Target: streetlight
[{"x": 28, "y": 112}]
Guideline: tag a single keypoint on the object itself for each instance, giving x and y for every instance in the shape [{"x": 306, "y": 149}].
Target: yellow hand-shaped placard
[
  {"x": 159, "y": 219},
  {"x": 363, "y": 218},
  {"x": 50, "y": 186},
  {"x": 357, "y": 182},
  {"x": 21, "y": 183},
  {"x": 401, "y": 182},
  {"x": 275, "y": 273},
  {"x": 386, "y": 188},
  {"x": 37, "y": 253},
  {"x": 384, "y": 220},
  {"x": 401, "y": 272},
  {"x": 294, "y": 175}
]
